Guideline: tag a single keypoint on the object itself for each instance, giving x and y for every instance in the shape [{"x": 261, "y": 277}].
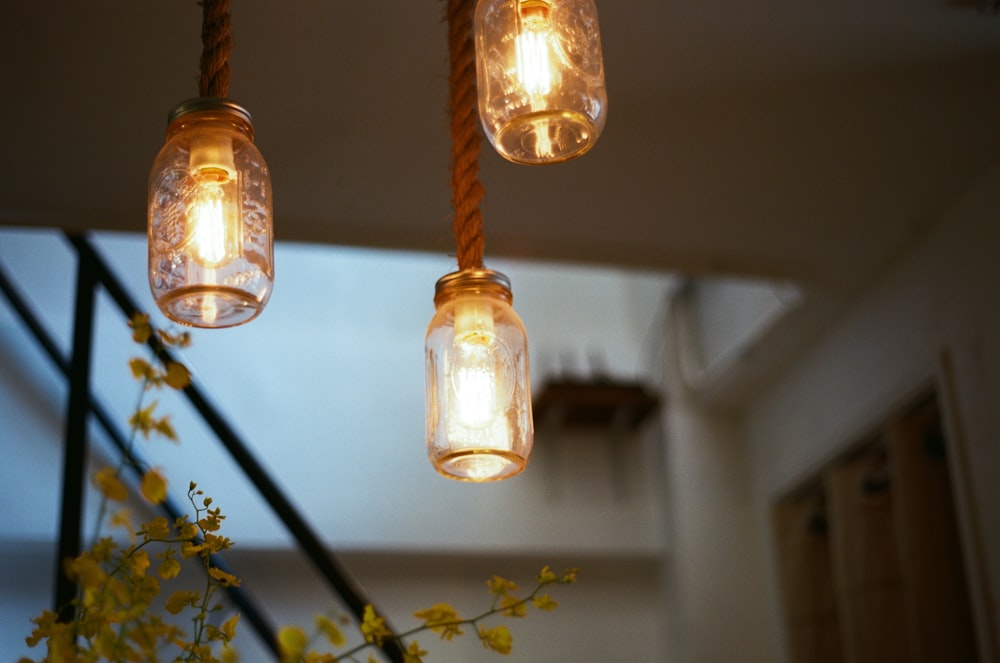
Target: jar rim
[
  {"x": 472, "y": 279},
  {"x": 198, "y": 104}
]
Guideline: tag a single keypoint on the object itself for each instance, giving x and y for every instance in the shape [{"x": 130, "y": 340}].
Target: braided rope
[
  {"x": 217, "y": 45},
  {"x": 466, "y": 190}
]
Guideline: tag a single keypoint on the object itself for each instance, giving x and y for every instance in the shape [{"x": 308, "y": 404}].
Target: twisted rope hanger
[
  {"x": 466, "y": 189},
  {"x": 217, "y": 46}
]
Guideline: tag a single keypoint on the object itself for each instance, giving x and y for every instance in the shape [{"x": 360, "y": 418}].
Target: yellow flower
[
  {"x": 514, "y": 607},
  {"x": 177, "y": 375},
  {"x": 103, "y": 549},
  {"x": 138, "y": 562},
  {"x": 180, "y": 340},
  {"x": 123, "y": 519},
  {"x": 546, "y": 576},
  {"x": 154, "y": 487},
  {"x": 181, "y": 599},
  {"x": 185, "y": 530},
  {"x": 141, "y": 369},
  {"x": 143, "y": 420},
  {"x": 413, "y": 653},
  {"x": 545, "y": 602},
  {"x": 106, "y": 480},
  {"x": 157, "y": 528},
  {"x": 373, "y": 627},
  {"x": 168, "y": 568},
  {"x": 441, "y": 618},
  {"x": 500, "y": 586},
  {"x": 498, "y": 639},
  {"x": 332, "y": 632},
  {"x": 165, "y": 428},
  {"x": 223, "y": 578},
  {"x": 141, "y": 329},
  {"x": 569, "y": 576},
  {"x": 229, "y": 627},
  {"x": 85, "y": 570},
  {"x": 292, "y": 642}
]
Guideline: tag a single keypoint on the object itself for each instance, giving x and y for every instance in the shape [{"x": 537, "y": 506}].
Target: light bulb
[
  {"x": 479, "y": 424},
  {"x": 210, "y": 232},
  {"x": 481, "y": 376},
  {"x": 534, "y": 66},
  {"x": 213, "y": 221},
  {"x": 540, "y": 76}
]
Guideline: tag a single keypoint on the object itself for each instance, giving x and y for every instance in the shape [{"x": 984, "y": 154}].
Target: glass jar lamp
[
  {"x": 540, "y": 75},
  {"x": 479, "y": 422},
  {"x": 211, "y": 255}
]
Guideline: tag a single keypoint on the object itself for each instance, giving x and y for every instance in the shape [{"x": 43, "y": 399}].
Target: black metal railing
[{"x": 93, "y": 271}]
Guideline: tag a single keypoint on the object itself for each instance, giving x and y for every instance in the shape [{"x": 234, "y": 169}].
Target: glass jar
[
  {"x": 540, "y": 75},
  {"x": 211, "y": 254},
  {"x": 479, "y": 423}
]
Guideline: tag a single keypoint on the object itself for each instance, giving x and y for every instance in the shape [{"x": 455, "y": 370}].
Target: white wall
[
  {"x": 939, "y": 300},
  {"x": 327, "y": 387},
  {"x": 714, "y": 586}
]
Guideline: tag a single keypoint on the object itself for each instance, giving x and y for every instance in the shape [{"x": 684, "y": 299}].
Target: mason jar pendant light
[
  {"x": 211, "y": 255},
  {"x": 479, "y": 422},
  {"x": 540, "y": 75}
]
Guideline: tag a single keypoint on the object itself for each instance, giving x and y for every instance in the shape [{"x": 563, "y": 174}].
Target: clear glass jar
[
  {"x": 540, "y": 75},
  {"x": 479, "y": 423},
  {"x": 211, "y": 253}
]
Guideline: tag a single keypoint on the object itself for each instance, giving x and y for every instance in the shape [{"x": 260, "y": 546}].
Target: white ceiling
[{"x": 796, "y": 140}]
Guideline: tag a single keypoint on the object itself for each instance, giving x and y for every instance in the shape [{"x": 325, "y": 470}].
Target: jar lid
[
  {"x": 472, "y": 279},
  {"x": 209, "y": 104}
]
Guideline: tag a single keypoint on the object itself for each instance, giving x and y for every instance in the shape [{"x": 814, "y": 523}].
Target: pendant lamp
[
  {"x": 211, "y": 255},
  {"x": 540, "y": 75},
  {"x": 478, "y": 391}
]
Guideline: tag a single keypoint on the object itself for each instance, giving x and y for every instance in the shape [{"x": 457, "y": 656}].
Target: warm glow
[
  {"x": 212, "y": 226},
  {"x": 475, "y": 393},
  {"x": 534, "y": 68},
  {"x": 540, "y": 78},
  {"x": 480, "y": 376},
  {"x": 211, "y": 239},
  {"x": 479, "y": 393},
  {"x": 214, "y": 220}
]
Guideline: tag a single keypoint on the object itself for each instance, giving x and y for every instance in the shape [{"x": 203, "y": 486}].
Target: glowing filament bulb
[
  {"x": 475, "y": 393},
  {"x": 479, "y": 364},
  {"x": 208, "y": 227},
  {"x": 214, "y": 226},
  {"x": 534, "y": 68}
]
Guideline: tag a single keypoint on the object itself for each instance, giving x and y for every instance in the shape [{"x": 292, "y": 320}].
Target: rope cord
[
  {"x": 217, "y": 45},
  {"x": 466, "y": 189}
]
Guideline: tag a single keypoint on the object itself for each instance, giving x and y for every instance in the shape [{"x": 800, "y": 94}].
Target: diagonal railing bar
[
  {"x": 323, "y": 561},
  {"x": 261, "y": 624}
]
